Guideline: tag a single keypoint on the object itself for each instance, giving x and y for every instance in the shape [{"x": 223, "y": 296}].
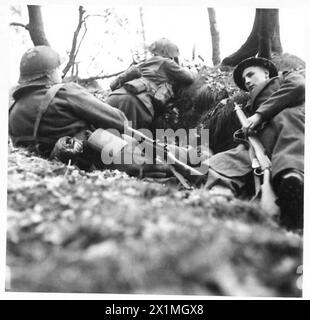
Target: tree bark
[
  {"x": 264, "y": 34},
  {"x": 36, "y": 27},
  {"x": 215, "y": 35},
  {"x": 141, "y": 14},
  {"x": 194, "y": 52},
  {"x": 263, "y": 40},
  {"x": 276, "y": 45},
  {"x": 248, "y": 49}
]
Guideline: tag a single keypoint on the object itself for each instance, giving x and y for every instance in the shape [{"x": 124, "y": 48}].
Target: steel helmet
[
  {"x": 165, "y": 48},
  {"x": 37, "y": 62}
]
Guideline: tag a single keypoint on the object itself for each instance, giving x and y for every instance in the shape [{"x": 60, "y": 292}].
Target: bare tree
[
  {"x": 263, "y": 40},
  {"x": 143, "y": 31},
  {"x": 35, "y": 26},
  {"x": 194, "y": 52},
  {"x": 78, "y": 37},
  {"x": 215, "y": 35},
  {"x": 75, "y": 45}
]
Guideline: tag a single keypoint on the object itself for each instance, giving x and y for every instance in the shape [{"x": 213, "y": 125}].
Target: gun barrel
[{"x": 174, "y": 161}]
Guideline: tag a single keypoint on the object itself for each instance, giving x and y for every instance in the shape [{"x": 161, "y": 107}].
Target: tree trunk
[
  {"x": 263, "y": 40},
  {"x": 35, "y": 27},
  {"x": 143, "y": 32},
  {"x": 264, "y": 34},
  {"x": 215, "y": 35},
  {"x": 194, "y": 52},
  {"x": 276, "y": 45},
  {"x": 248, "y": 49}
]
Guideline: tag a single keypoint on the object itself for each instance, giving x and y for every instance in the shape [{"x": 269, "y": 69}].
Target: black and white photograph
[{"x": 155, "y": 148}]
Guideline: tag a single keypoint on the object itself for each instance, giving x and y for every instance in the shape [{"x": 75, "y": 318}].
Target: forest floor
[
  {"x": 74, "y": 231},
  {"x": 105, "y": 232}
]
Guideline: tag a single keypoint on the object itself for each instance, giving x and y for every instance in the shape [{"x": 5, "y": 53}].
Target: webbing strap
[
  {"x": 12, "y": 106},
  {"x": 50, "y": 94}
]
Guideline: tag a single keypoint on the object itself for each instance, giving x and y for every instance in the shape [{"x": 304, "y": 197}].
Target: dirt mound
[{"x": 73, "y": 231}]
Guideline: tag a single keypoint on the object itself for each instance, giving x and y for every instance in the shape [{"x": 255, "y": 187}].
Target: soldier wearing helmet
[
  {"x": 144, "y": 90},
  {"x": 165, "y": 48},
  {"x": 40, "y": 63},
  {"x": 45, "y": 109}
]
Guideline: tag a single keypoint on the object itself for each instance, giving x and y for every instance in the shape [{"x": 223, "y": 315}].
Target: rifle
[
  {"x": 261, "y": 165},
  {"x": 116, "y": 145},
  {"x": 178, "y": 168}
]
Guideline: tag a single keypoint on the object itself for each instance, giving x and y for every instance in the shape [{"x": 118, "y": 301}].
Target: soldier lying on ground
[
  {"x": 144, "y": 90},
  {"x": 46, "y": 110},
  {"x": 277, "y": 115},
  {"x": 276, "y": 112}
]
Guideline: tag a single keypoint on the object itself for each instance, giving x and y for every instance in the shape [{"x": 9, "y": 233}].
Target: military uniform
[
  {"x": 140, "y": 108},
  {"x": 71, "y": 112},
  {"x": 280, "y": 102}
]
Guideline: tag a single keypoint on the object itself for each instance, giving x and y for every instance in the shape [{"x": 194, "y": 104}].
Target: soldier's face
[{"x": 253, "y": 76}]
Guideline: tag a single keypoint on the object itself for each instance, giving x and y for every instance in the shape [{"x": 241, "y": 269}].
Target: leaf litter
[{"x": 104, "y": 231}]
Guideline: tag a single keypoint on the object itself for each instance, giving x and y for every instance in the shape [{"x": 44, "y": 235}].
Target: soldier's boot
[{"x": 290, "y": 192}]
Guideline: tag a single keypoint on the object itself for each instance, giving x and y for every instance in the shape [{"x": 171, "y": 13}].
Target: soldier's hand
[
  {"x": 252, "y": 123},
  {"x": 77, "y": 145},
  {"x": 67, "y": 148},
  {"x": 115, "y": 84}
]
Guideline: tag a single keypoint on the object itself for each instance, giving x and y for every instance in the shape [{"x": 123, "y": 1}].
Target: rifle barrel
[{"x": 172, "y": 158}]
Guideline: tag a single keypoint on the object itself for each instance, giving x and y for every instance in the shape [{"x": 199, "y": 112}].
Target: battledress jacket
[
  {"x": 281, "y": 103},
  {"x": 71, "y": 112},
  {"x": 157, "y": 70}
]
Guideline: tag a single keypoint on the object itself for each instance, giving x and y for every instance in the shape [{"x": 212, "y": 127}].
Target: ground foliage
[
  {"x": 209, "y": 102},
  {"x": 74, "y": 231},
  {"x": 103, "y": 231}
]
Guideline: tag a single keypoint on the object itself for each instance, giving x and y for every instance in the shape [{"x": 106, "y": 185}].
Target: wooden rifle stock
[
  {"x": 268, "y": 196},
  {"x": 259, "y": 149}
]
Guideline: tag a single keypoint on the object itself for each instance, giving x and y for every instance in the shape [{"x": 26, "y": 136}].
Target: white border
[{"x": 3, "y": 150}]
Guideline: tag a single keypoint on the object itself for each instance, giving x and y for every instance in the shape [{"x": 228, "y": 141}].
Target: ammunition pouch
[
  {"x": 136, "y": 86},
  {"x": 163, "y": 94},
  {"x": 160, "y": 94}
]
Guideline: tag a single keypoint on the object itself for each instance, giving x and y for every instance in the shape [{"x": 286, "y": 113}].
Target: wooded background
[
  {"x": 113, "y": 22},
  {"x": 105, "y": 232}
]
